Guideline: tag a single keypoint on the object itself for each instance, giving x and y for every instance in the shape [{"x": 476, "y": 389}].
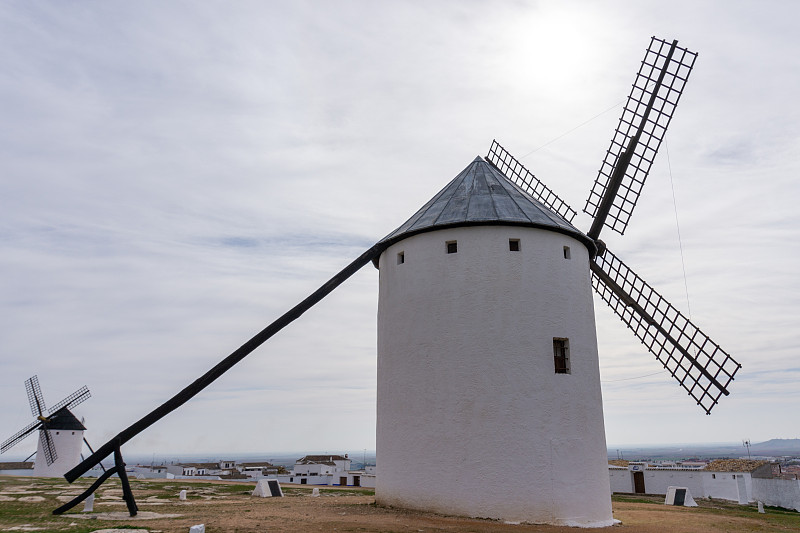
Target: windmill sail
[
  {"x": 655, "y": 93},
  {"x": 518, "y": 174},
  {"x": 701, "y": 367},
  {"x": 77, "y": 397},
  {"x": 48, "y": 446},
  {"x": 19, "y": 435},
  {"x": 35, "y": 396},
  {"x": 699, "y": 364}
]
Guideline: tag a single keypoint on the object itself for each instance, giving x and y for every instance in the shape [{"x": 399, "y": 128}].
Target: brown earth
[{"x": 229, "y": 507}]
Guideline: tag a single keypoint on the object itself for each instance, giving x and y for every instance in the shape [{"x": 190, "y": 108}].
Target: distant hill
[
  {"x": 776, "y": 447},
  {"x": 773, "y": 447}
]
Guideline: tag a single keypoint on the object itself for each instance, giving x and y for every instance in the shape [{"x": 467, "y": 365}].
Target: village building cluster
[
  {"x": 328, "y": 469},
  {"x": 773, "y": 482}
]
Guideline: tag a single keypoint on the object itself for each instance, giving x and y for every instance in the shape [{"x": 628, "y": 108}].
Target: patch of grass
[
  {"x": 327, "y": 491},
  {"x": 773, "y": 517},
  {"x": 638, "y": 498}
]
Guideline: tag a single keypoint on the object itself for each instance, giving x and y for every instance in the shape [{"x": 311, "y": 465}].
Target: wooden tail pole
[
  {"x": 91, "y": 450},
  {"x": 78, "y": 499},
  {"x": 206, "y": 379},
  {"x": 127, "y": 493}
]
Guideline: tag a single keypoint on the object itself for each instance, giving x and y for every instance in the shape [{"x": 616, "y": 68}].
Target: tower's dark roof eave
[{"x": 482, "y": 196}]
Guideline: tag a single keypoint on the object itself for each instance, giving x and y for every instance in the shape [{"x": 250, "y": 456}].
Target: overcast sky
[{"x": 176, "y": 175}]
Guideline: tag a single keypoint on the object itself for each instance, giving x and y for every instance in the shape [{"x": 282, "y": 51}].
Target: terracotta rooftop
[
  {"x": 735, "y": 465},
  {"x": 320, "y": 459},
  {"x": 233, "y": 475},
  {"x": 207, "y": 466}
]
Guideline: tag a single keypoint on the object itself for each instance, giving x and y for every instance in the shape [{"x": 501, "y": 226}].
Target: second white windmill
[{"x": 60, "y": 432}]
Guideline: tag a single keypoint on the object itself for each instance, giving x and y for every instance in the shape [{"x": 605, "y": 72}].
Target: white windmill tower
[
  {"x": 489, "y": 398},
  {"x": 60, "y": 433},
  {"x": 477, "y": 291}
]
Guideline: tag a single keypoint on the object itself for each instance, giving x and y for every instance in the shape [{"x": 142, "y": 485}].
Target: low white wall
[
  {"x": 621, "y": 480},
  {"x": 23, "y": 472},
  {"x": 657, "y": 481},
  {"x": 778, "y": 492},
  {"x": 700, "y": 483},
  {"x": 144, "y": 474},
  {"x": 368, "y": 481},
  {"x": 309, "y": 480},
  {"x": 721, "y": 485}
]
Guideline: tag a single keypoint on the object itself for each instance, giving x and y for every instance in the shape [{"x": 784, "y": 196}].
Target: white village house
[
  {"x": 331, "y": 470},
  {"x": 328, "y": 469},
  {"x": 224, "y": 469}
]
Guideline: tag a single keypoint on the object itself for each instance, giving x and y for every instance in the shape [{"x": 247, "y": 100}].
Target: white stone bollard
[
  {"x": 200, "y": 528},
  {"x": 88, "y": 505},
  {"x": 267, "y": 488},
  {"x": 182, "y": 495},
  {"x": 315, "y": 492},
  {"x": 760, "y": 507}
]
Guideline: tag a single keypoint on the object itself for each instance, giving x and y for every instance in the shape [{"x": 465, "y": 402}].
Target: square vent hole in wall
[
  {"x": 401, "y": 258},
  {"x": 513, "y": 245},
  {"x": 452, "y": 247},
  {"x": 561, "y": 355}
]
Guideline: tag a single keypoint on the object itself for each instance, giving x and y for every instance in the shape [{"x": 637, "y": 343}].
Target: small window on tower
[
  {"x": 513, "y": 245},
  {"x": 401, "y": 258},
  {"x": 452, "y": 247},
  {"x": 566, "y": 252},
  {"x": 561, "y": 355}
]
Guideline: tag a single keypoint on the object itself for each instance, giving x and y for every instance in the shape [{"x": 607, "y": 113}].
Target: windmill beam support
[
  {"x": 127, "y": 493},
  {"x": 612, "y": 189},
  {"x": 223, "y": 366},
  {"x": 630, "y": 302},
  {"x": 92, "y": 450},
  {"x": 85, "y": 494}
]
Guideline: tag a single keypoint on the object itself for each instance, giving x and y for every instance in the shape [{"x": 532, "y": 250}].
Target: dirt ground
[{"x": 26, "y": 504}]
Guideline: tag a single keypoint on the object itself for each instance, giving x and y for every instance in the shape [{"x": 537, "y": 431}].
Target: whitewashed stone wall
[
  {"x": 778, "y": 492},
  {"x": 621, "y": 479},
  {"x": 472, "y": 418},
  {"x": 723, "y": 485},
  {"x": 658, "y": 481}
]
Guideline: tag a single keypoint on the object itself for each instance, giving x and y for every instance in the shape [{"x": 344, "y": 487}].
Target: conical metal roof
[
  {"x": 482, "y": 195},
  {"x": 64, "y": 419}
]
